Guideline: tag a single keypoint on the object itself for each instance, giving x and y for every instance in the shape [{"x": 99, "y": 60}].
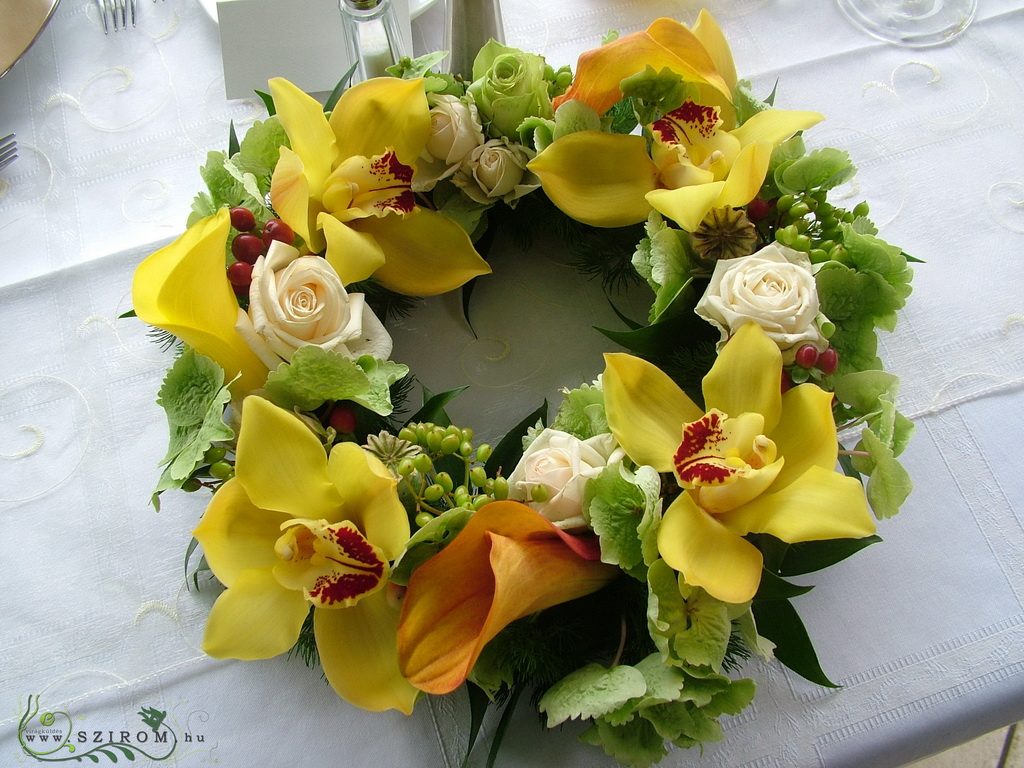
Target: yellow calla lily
[
  {"x": 756, "y": 461},
  {"x": 344, "y": 186},
  {"x": 183, "y": 290},
  {"x": 508, "y": 562},
  {"x": 296, "y": 529}
]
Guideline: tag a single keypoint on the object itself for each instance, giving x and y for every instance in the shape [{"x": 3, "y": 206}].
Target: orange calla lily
[
  {"x": 664, "y": 44},
  {"x": 182, "y": 289},
  {"x": 756, "y": 461},
  {"x": 345, "y": 185},
  {"x": 508, "y": 562}
]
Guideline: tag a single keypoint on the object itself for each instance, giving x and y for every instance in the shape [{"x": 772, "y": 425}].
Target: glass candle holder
[
  {"x": 912, "y": 23},
  {"x": 373, "y": 37}
]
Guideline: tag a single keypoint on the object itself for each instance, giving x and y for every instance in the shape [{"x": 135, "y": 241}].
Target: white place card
[{"x": 301, "y": 40}]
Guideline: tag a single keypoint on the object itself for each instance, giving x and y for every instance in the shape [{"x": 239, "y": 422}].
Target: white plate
[{"x": 416, "y": 7}]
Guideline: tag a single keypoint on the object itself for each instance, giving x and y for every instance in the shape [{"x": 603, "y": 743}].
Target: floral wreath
[{"x": 620, "y": 562}]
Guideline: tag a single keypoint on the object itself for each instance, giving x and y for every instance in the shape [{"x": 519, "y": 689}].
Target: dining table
[{"x": 101, "y": 629}]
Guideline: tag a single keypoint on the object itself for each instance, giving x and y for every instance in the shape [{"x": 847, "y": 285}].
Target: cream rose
[
  {"x": 455, "y": 131},
  {"x": 562, "y": 464},
  {"x": 496, "y": 171},
  {"x": 774, "y": 288},
  {"x": 295, "y": 300}
]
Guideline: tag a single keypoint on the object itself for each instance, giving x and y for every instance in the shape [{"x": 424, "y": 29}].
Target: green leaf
[
  {"x": 428, "y": 541},
  {"x": 821, "y": 169},
  {"x": 733, "y": 699},
  {"x": 268, "y": 102},
  {"x": 664, "y": 681},
  {"x": 410, "y": 69},
  {"x": 381, "y": 375},
  {"x": 746, "y": 103},
  {"x": 509, "y": 449},
  {"x": 862, "y": 390},
  {"x": 889, "y": 483},
  {"x": 433, "y": 407},
  {"x": 778, "y": 621},
  {"x": 478, "y": 704},
  {"x": 687, "y": 625},
  {"x": 590, "y": 692},
  {"x": 662, "y": 259},
  {"x": 193, "y": 395},
  {"x": 664, "y": 90},
  {"x": 773, "y": 587},
  {"x": 636, "y": 744},
  {"x": 811, "y": 556},
  {"x": 314, "y": 376},
  {"x": 232, "y": 139},
  {"x": 581, "y": 413},
  {"x": 618, "y": 505},
  {"x": 261, "y": 148}
]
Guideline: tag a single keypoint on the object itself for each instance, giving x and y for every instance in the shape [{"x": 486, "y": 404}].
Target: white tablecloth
[{"x": 925, "y": 632}]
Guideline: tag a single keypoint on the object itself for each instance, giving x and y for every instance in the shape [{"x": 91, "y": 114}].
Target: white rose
[
  {"x": 496, "y": 171},
  {"x": 455, "y": 131},
  {"x": 774, "y": 288},
  {"x": 295, "y": 300},
  {"x": 562, "y": 464}
]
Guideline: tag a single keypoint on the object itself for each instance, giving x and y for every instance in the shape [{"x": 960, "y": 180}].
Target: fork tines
[
  {"x": 8, "y": 150},
  {"x": 118, "y": 12}
]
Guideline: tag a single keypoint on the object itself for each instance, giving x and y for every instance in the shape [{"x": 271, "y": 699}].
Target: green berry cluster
[
  {"x": 215, "y": 469},
  {"x": 448, "y": 473},
  {"x": 808, "y": 222}
]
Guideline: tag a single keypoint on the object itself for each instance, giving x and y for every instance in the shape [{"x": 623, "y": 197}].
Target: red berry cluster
[
  {"x": 248, "y": 245},
  {"x": 807, "y": 357}
]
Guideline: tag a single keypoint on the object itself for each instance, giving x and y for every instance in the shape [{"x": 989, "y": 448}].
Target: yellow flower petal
[
  {"x": 182, "y": 289},
  {"x": 309, "y": 134},
  {"x": 747, "y": 376},
  {"x": 806, "y": 433},
  {"x": 820, "y": 504},
  {"x": 354, "y": 255},
  {"x": 598, "y": 178},
  {"x": 646, "y": 410},
  {"x": 746, "y": 175},
  {"x": 281, "y": 464},
  {"x": 384, "y": 111},
  {"x": 359, "y": 654},
  {"x": 256, "y": 618},
  {"x": 665, "y": 43},
  {"x": 707, "y": 554},
  {"x": 236, "y": 535},
  {"x": 289, "y": 191},
  {"x": 368, "y": 498},
  {"x": 508, "y": 562},
  {"x": 426, "y": 253},
  {"x": 775, "y": 125},
  {"x": 710, "y": 35},
  {"x": 686, "y": 206}
]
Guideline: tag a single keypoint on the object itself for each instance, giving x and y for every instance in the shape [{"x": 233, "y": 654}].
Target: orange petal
[
  {"x": 666, "y": 43},
  {"x": 508, "y": 562}
]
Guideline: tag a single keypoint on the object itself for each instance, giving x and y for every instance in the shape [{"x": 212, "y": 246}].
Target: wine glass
[{"x": 912, "y": 23}]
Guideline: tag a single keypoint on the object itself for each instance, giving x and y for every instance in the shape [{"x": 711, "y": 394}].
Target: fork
[
  {"x": 8, "y": 150},
  {"x": 118, "y": 12}
]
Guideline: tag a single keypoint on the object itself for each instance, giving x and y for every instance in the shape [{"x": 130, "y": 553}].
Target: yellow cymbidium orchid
[
  {"x": 609, "y": 180},
  {"x": 182, "y": 289},
  {"x": 345, "y": 186},
  {"x": 756, "y": 461},
  {"x": 508, "y": 562},
  {"x": 701, "y": 160},
  {"x": 293, "y": 529}
]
